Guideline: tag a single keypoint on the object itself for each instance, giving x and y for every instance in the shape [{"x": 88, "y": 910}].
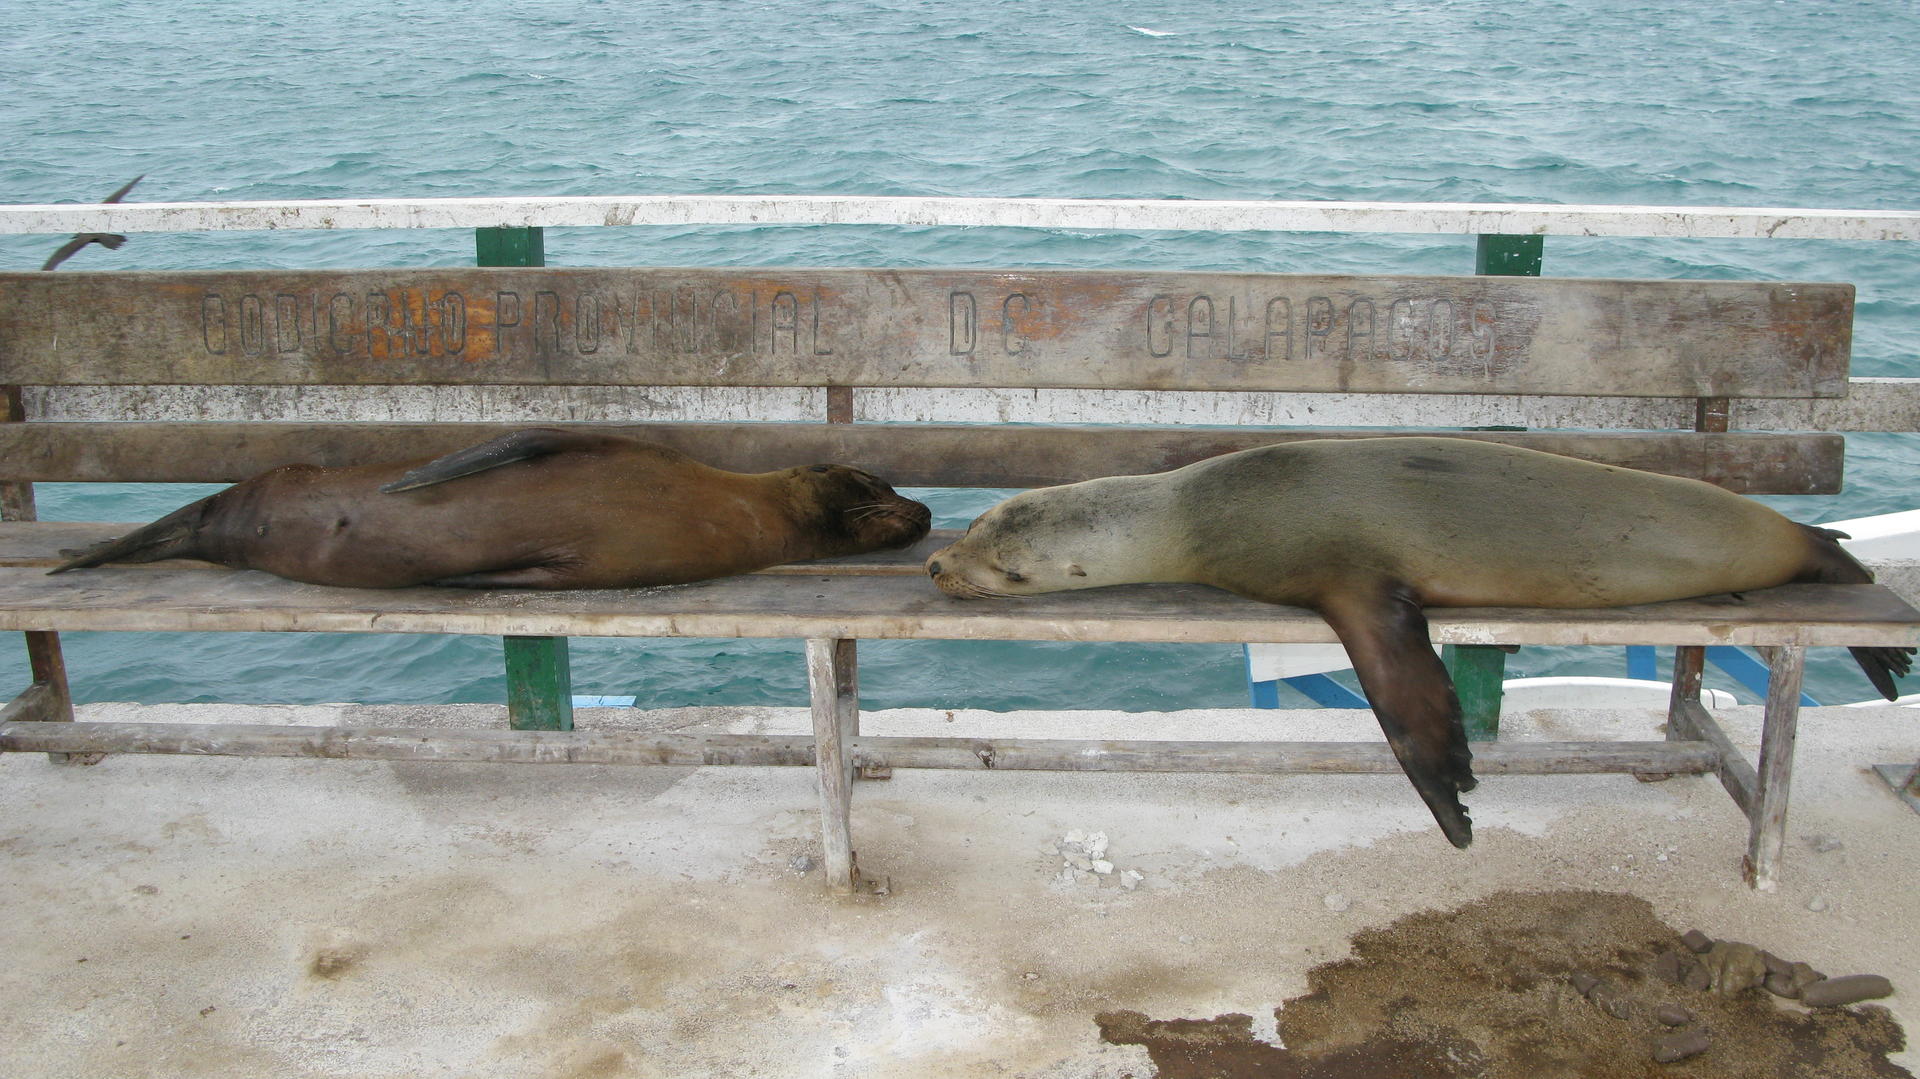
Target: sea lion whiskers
[
  {"x": 965, "y": 589},
  {"x": 862, "y": 511}
]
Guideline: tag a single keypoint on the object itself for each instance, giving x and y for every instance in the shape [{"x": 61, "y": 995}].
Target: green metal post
[
  {"x": 1509, "y": 256},
  {"x": 1478, "y": 670},
  {"x": 539, "y": 680},
  {"x": 539, "y": 684},
  {"x": 510, "y": 247}
]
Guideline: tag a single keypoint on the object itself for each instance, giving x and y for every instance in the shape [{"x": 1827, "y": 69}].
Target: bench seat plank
[
  {"x": 907, "y": 455},
  {"x": 897, "y": 606}
]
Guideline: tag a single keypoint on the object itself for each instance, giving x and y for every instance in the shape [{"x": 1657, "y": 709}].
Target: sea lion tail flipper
[
  {"x": 1833, "y": 564},
  {"x": 1882, "y": 666},
  {"x": 1385, "y": 634},
  {"x": 172, "y": 536},
  {"x": 505, "y": 450},
  {"x": 1830, "y": 563}
]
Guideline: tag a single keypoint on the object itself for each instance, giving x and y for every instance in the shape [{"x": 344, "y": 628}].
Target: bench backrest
[{"x": 869, "y": 328}]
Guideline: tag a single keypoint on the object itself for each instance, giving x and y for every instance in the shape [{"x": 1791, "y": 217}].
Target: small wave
[{"x": 1152, "y": 33}]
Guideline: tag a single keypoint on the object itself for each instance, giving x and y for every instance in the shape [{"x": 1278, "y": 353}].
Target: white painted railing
[{"x": 1123, "y": 214}]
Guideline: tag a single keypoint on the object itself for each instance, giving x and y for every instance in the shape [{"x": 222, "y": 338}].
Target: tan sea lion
[
  {"x": 1369, "y": 531},
  {"x": 539, "y": 508}
]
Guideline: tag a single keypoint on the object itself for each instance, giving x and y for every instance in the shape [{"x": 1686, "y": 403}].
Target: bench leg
[
  {"x": 1775, "y": 774},
  {"x": 47, "y": 700},
  {"x": 833, "y": 678},
  {"x": 1689, "y": 670}
]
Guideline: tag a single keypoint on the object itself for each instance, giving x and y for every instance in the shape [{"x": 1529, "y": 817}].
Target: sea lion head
[
  {"x": 857, "y": 511},
  {"x": 1049, "y": 540}
]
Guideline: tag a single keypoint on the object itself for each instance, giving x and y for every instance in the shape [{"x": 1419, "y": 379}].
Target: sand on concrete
[{"x": 226, "y": 917}]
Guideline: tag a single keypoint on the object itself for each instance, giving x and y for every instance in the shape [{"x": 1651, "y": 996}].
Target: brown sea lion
[
  {"x": 1369, "y": 531},
  {"x": 539, "y": 508}
]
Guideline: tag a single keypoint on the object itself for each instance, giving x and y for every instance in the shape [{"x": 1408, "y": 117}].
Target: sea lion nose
[{"x": 933, "y": 568}]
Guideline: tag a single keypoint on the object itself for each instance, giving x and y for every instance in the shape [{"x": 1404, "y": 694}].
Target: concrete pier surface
[{"x": 192, "y": 916}]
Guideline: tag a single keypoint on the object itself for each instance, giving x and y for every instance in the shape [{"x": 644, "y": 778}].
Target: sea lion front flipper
[
  {"x": 505, "y": 450},
  {"x": 1385, "y": 634}
]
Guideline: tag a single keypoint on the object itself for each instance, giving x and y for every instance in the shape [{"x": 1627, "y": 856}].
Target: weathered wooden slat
[
  {"x": 1003, "y": 754},
  {"x": 1691, "y": 721},
  {"x": 38, "y": 703},
  {"x": 907, "y": 455},
  {"x": 1871, "y": 404},
  {"x": 817, "y": 606},
  {"x": 893, "y": 327}
]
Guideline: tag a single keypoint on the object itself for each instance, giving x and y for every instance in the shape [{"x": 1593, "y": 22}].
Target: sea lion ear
[{"x": 1075, "y": 571}]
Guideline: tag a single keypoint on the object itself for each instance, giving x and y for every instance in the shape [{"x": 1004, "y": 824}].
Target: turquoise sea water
[{"x": 1603, "y": 101}]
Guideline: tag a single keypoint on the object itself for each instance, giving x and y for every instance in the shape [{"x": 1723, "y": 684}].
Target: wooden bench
[{"x": 598, "y": 334}]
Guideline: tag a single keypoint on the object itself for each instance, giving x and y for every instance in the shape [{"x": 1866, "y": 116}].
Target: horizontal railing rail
[{"x": 1055, "y": 213}]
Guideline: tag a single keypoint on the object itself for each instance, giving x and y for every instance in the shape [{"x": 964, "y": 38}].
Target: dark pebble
[
  {"x": 1673, "y": 1015},
  {"x": 1583, "y": 982},
  {"x": 1680, "y": 968},
  {"x": 1696, "y": 940},
  {"x": 1667, "y": 967},
  {"x": 1851, "y": 989},
  {"x": 1680, "y": 1046}
]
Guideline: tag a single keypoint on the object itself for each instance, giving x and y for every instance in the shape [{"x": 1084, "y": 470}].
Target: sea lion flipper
[
  {"x": 173, "y": 536},
  {"x": 504, "y": 450},
  {"x": 1385, "y": 634},
  {"x": 1883, "y": 665},
  {"x": 1830, "y": 563}
]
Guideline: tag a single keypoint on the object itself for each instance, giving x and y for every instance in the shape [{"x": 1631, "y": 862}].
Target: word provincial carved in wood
[{"x": 402, "y": 323}]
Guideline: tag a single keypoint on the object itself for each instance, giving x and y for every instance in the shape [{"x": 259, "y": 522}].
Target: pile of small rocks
[
  {"x": 1083, "y": 858},
  {"x": 1725, "y": 967}
]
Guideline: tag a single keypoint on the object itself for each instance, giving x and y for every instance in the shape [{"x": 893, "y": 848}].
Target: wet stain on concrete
[
  {"x": 1225, "y": 1048},
  {"x": 1489, "y": 989}
]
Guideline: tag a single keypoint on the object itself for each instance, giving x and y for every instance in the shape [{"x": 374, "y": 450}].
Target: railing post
[
  {"x": 539, "y": 681},
  {"x": 510, "y": 247},
  {"x": 1479, "y": 670},
  {"x": 1509, "y": 256}
]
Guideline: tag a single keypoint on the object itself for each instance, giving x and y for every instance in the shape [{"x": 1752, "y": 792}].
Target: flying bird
[{"x": 109, "y": 240}]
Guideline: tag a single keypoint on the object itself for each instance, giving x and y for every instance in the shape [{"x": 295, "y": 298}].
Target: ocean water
[{"x": 1744, "y": 102}]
